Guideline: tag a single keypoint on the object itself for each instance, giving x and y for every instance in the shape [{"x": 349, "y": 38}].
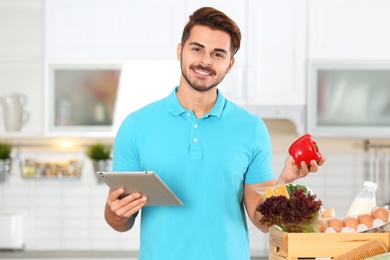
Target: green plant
[
  {"x": 99, "y": 151},
  {"x": 5, "y": 151}
]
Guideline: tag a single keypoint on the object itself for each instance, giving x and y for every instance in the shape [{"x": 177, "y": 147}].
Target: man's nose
[{"x": 206, "y": 60}]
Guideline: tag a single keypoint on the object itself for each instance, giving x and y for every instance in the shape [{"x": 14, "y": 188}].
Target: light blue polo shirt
[{"x": 206, "y": 162}]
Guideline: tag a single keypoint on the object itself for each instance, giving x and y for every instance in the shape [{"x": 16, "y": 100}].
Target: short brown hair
[{"x": 216, "y": 20}]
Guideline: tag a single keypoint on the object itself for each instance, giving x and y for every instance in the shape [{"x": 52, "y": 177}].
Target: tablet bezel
[{"x": 148, "y": 183}]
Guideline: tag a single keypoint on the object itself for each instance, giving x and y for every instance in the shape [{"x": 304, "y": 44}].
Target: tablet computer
[{"x": 148, "y": 183}]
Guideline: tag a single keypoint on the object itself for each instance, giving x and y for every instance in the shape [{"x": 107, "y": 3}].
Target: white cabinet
[
  {"x": 349, "y": 54},
  {"x": 21, "y": 30},
  {"x": 21, "y": 57},
  {"x": 276, "y": 60},
  {"x": 121, "y": 29},
  {"x": 349, "y": 29},
  {"x": 81, "y": 98},
  {"x": 276, "y": 40},
  {"x": 349, "y": 99}
]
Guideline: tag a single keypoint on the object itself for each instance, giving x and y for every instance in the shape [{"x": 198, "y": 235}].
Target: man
[{"x": 210, "y": 152}]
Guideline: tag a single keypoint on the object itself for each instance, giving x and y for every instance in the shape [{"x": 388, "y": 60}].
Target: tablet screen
[{"x": 147, "y": 183}]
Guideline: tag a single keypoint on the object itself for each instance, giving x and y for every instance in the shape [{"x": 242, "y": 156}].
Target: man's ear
[
  {"x": 231, "y": 65},
  {"x": 178, "y": 51}
]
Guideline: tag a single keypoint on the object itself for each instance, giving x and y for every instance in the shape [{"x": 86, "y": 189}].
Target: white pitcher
[{"x": 13, "y": 109}]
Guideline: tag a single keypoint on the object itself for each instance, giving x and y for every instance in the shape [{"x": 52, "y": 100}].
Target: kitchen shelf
[
  {"x": 32, "y": 169},
  {"x": 52, "y": 159}
]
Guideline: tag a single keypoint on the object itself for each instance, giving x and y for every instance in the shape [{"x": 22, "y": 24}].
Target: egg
[
  {"x": 336, "y": 224},
  {"x": 351, "y": 222},
  {"x": 366, "y": 219},
  {"x": 321, "y": 225},
  {"x": 381, "y": 213}
]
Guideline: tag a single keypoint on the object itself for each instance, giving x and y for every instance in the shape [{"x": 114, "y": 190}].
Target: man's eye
[
  {"x": 196, "y": 49},
  {"x": 218, "y": 55}
]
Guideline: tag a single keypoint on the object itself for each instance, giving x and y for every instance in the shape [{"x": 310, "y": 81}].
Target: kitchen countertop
[
  {"x": 112, "y": 255},
  {"x": 37, "y": 254}
]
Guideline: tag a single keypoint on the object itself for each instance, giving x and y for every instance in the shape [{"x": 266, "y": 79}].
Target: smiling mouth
[{"x": 202, "y": 72}]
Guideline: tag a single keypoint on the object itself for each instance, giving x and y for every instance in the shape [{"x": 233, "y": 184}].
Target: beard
[{"x": 198, "y": 84}]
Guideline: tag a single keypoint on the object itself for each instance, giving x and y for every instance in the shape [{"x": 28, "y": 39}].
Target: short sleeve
[
  {"x": 260, "y": 169},
  {"x": 125, "y": 155}
]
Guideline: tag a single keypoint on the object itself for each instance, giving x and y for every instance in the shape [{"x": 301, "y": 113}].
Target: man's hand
[
  {"x": 120, "y": 211},
  {"x": 292, "y": 171},
  {"x": 125, "y": 206}
]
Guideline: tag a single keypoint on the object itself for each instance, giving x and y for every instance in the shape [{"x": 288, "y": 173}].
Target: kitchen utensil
[{"x": 13, "y": 108}]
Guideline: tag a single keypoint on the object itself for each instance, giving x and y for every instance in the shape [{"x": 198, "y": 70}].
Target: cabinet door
[
  {"x": 21, "y": 55},
  {"x": 21, "y": 30},
  {"x": 81, "y": 97},
  {"x": 23, "y": 79},
  {"x": 121, "y": 29},
  {"x": 349, "y": 29},
  {"x": 276, "y": 52},
  {"x": 232, "y": 86},
  {"x": 349, "y": 99}
]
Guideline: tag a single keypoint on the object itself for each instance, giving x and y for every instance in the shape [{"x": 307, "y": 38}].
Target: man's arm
[{"x": 252, "y": 200}]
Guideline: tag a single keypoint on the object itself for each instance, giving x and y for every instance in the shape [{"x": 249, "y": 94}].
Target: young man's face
[{"x": 205, "y": 58}]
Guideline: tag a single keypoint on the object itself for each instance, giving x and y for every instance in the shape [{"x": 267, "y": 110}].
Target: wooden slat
[{"x": 319, "y": 244}]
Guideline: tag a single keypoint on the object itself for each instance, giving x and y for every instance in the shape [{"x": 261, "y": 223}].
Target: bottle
[{"x": 364, "y": 201}]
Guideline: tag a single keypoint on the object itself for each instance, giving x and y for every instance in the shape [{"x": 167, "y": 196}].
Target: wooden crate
[{"x": 311, "y": 245}]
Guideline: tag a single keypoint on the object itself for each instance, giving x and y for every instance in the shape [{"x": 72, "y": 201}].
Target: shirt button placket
[
  {"x": 195, "y": 133},
  {"x": 195, "y": 146}
]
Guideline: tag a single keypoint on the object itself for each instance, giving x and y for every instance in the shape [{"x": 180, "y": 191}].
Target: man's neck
[{"x": 200, "y": 103}]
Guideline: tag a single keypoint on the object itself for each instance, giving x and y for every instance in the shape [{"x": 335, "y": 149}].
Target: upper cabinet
[
  {"x": 349, "y": 99},
  {"x": 121, "y": 29},
  {"x": 21, "y": 66},
  {"x": 276, "y": 40},
  {"x": 81, "y": 97},
  {"x": 349, "y": 29},
  {"x": 21, "y": 30},
  {"x": 349, "y": 54}
]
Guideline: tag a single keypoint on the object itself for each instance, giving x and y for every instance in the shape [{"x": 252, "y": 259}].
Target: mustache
[{"x": 204, "y": 68}]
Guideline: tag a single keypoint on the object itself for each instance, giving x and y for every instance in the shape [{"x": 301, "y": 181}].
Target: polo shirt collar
[{"x": 176, "y": 108}]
